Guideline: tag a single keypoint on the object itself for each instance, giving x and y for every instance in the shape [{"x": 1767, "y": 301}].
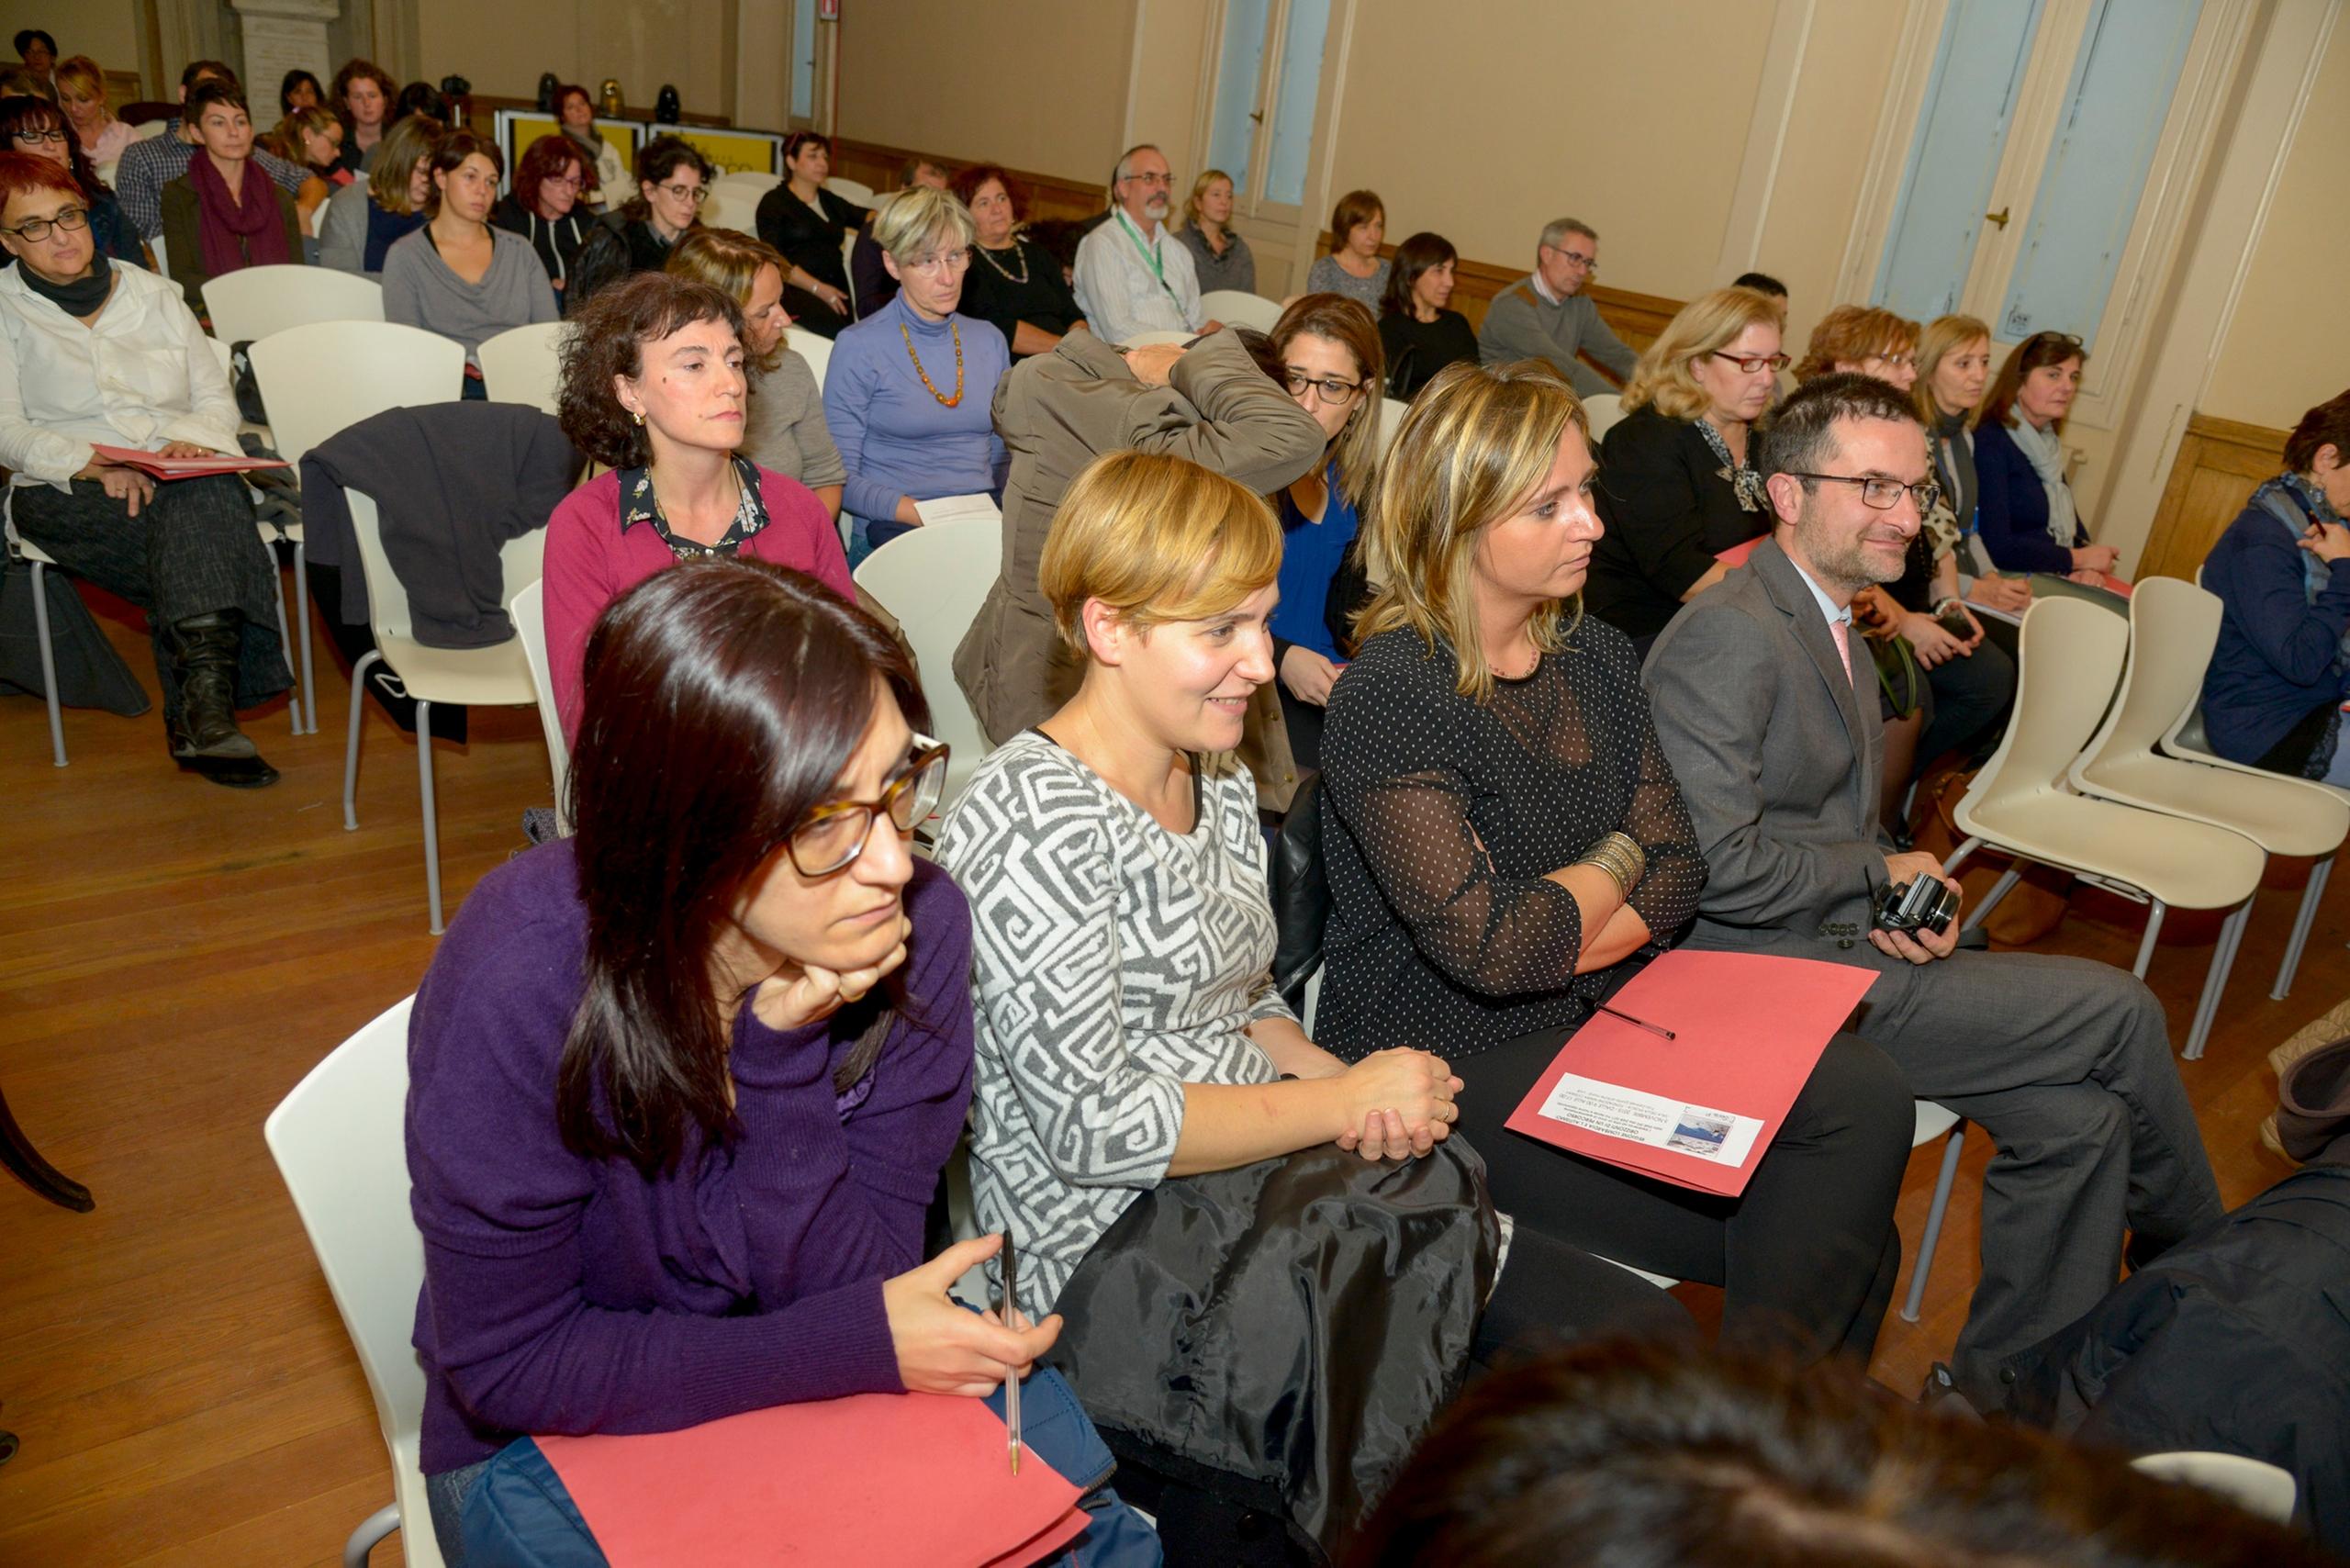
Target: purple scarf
[{"x": 236, "y": 234}]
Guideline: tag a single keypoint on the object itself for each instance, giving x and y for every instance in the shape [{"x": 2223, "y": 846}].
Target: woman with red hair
[{"x": 546, "y": 207}]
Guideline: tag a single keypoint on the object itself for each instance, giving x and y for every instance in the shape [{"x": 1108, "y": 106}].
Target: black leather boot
[{"x": 206, "y": 739}]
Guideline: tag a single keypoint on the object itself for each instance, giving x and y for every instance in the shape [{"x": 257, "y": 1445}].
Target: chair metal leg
[
  {"x": 1952, "y": 1147},
  {"x": 372, "y": 1528},
  {"x": 302, "y": 630},
  {"x": 48, "y": 663},
  {"x": 351, "y": 751},
  {"x": 2008, "y": 879},
  {"x": 2224, "y": 958},
  {"x": 285, "y": 641},
  {"x": 1958, "y": 857},
  {"x": 431, "y": 814},
  {"x": 2146, "y": 942},
  {"x": 2301, "y": 923}
]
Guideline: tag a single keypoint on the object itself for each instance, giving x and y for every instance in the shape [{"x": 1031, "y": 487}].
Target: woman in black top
[
  {"x": 1677, "y": 489},
  {"x": 545, "y": 210},
  {"x": 808, "y": 224},
  {"x": 1506, "y": 846},
  {"x": 672, "y": 182},
  {"x": 1421, "y": 336},
  {"x": 1013, "y": 284}
]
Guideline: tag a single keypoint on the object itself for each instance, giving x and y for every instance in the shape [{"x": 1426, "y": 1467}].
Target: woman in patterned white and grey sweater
[{"x": 1128, "y": 1027}]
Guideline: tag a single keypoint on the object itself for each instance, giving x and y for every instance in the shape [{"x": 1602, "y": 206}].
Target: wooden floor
[{"x": 176, "y": 957}]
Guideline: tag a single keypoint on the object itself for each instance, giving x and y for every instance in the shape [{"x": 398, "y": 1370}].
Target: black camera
[{"x": 1922, "y": 904}]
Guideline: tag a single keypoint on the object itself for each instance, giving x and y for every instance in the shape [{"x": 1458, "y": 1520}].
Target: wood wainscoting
[
  {"x": 1636, "y": 318},
  {"x": 2220, "y": 463}
]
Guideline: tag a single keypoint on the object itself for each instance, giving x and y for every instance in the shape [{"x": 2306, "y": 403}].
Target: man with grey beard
[
  {"x": 1765, "y": 707},
  {"x": 1132, "y": 275}
]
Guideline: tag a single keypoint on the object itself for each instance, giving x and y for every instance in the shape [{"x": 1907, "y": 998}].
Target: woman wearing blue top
[
  {"x": 2273, "y": 694},
  {"x": 2026, "y": 513},
  {"x": 1330, "y": 349},
  {"x": 909, "y": 390}
]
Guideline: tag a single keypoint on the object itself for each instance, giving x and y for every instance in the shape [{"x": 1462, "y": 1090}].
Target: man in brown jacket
[{"x": 1219, "y": 402}]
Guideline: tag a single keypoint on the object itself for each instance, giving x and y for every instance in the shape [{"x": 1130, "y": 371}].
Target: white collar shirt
[{"x": 1122, "y": 294}]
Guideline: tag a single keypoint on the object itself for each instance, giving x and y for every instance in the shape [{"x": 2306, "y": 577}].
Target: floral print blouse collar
[{"x": 639, "y": 504}]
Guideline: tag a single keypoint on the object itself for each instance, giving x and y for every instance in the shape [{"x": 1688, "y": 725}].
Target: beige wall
[
  {"x": 1039, "y": 85},
  {"x": 2288, "y": 346},
  {"x": 502, "y": 45},
  {"x": 106, "y": 30}
]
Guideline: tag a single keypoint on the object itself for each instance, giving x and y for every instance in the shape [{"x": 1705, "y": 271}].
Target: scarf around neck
[
  {"x": 2045, "y": 452},
  {"x": 236, "y": 232},
  {"x": 79, "y": 298}
]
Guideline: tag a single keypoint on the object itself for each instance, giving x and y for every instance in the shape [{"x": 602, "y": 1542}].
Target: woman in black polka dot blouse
[{"x": 1506, "y": 846}]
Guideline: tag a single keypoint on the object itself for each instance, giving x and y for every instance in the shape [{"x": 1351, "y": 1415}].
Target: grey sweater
[
  {"x": 783, "y": 430},
  {"x": 419, "y": 290},
  {"x": 1521, "y": 324}
]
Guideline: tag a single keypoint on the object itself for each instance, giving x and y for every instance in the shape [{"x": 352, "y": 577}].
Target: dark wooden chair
[{"x": 16, "y": 1151}]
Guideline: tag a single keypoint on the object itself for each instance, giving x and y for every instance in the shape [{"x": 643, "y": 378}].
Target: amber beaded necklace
[{"x": 957, "y": 334}]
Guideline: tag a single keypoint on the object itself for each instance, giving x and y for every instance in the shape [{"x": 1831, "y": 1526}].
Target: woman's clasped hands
[{"x": 1396, "y": 1105}]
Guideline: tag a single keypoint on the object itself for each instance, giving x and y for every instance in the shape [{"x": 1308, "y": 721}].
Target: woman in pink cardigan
[{"x": 653, "y": 388}]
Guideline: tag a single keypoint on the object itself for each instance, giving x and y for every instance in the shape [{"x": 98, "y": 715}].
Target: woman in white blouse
[{"x": 94, "y": 355}]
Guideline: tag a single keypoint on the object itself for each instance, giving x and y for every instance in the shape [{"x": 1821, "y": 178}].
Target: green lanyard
[{"x": 1158, "y": 264}]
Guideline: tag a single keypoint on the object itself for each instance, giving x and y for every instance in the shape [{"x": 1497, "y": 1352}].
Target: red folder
[
  {"x": 183, "y": 467},
  {"x": 1749, "y": 1028},
  {"x": 1736, "y": 555},
  {"x": 921, "y": 1480}
]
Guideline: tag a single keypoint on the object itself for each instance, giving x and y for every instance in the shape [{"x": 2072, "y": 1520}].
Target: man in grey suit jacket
[{"x": 2066, "y": 1063}]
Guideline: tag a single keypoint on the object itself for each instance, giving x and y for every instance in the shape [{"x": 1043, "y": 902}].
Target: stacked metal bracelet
[{"x": 1620, "y": 856}]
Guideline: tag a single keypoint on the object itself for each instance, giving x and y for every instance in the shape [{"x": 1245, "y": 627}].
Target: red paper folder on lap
[
  {"x": 183, "y": 467},
  {"x": 1736, "y": 554},
  {"x": 1699, "y": 1110},
  {"x": 921, "y": 1480}
]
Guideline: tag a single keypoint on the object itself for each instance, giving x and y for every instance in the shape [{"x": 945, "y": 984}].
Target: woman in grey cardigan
[{"x": 457, "y": 276}]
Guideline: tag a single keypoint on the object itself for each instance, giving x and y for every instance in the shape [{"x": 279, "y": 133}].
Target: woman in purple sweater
[{"x": 681, "y": 1086}]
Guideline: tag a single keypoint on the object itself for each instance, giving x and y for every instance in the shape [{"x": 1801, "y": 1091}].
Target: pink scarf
[{"x": 236, "y": 234}]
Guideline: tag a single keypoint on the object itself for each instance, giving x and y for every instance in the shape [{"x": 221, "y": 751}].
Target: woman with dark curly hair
[
  {"x": 39, "y": 127},
  {"x": 297, "y": 89},
  {"x": 653, "y": 388},
  {"x": 361, "y": 99},
  {"x": 546, "y": 207},
  {"x": 672, "y": 182}
]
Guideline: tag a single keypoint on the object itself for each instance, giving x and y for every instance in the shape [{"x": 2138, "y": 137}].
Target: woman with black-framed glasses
[
  {"x": 672, "y": 182},
  {"x": 681, "y": 1086},
  {"x": 1676, "y": 487},
  {"x": 37, "y": 127}
]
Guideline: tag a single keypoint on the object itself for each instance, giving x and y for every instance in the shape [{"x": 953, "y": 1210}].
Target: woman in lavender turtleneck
[
  {"x": 681, "y": 1086},
  {"x": 908, "y": 391}
]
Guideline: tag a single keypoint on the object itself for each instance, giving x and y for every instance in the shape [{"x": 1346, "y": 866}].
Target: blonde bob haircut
[
  {"x": 1473, "y": 447},
  {"x": 1944, "y": 336},
  {"x": 1708, "y": 324},
  {"x": 1156, "y": 539},
  {"x": 919, "y": 218},
  {"x": 1851, "y": 333}
]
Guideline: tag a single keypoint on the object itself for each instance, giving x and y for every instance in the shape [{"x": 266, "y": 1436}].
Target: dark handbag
[
  {"x": 90, "y": 674},
  {"x": 1301, "y": 893}
]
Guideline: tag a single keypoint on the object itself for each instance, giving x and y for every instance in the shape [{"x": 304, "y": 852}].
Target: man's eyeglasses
[
  {"x": 941, "y": 260},
  {"x": 1588, "y": 263},
  {"x": 33, "y": 230},
  {"x": 35, "y": 137},
  {"x": 693, "y": 193},
  {"x": 1752, "y": 363},
  {"x": 1882, "y": 494},
  {"x": 831, "y": 835},
  {"x": 1150, "y": 179},
  {"x": 1329, "y": 389}
]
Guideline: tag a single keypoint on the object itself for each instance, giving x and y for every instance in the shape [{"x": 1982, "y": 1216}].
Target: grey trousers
[
  {"x": 2066, "y": 1065},
  {"x": 193, "y": 550}
]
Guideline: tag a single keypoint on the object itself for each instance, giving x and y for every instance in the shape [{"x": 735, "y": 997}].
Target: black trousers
[
  {"x": 1971, "y": 695},
  {"x": 1806, "y": 1256},
  {"x": 193, "y": 550}
]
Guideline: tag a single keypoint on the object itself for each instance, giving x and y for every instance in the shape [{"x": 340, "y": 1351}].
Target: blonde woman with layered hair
[
  {"x": 1220, "y": 257},
  {"x": 1506, "y": 846},
  {"x": 1128, "y": 1028},
  {"x": 366, "y": 218},
  {"x": 1679, "y": 490}
]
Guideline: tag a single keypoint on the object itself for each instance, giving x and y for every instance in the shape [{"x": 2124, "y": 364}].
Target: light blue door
[
  {"x": 1232, "y": 124},
  {"x": 1962, "y": 131},
  {"x": 803, "y": 59},
  {"x": 1303, "y": 33},
  {"x": 2114, "y": 108}
]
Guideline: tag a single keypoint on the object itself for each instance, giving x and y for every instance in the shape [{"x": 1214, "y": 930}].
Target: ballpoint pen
[
  {"x": 1011, "y": 1379},
  {"x": 1636, "y": 1022}
]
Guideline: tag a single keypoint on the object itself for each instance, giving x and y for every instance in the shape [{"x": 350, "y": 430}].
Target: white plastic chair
[
  {"x": 477, "y": 677},
  {"x": 2259, "y": 1488},
  {"x": 340, "y": 1140},
  {"x": 849, "y": 190},
  {"x": 1239, "y": 307},
  {"x": 1391, "y": 420},
  {"x": 323, "y": 378},
  {"x": 249, "y": 305},
  {"x": 813, "y": 347},
  {"x": 529, "y": 609},
  {"x": 2172, "y": 628},
  {"x": 933, "y": 580},
  {"x": 733, "y": 205},
  {"x": 2070, "y": 662},
  {"x": 524, "y": 364},
  {"x": 1144, "y": 340},
  {"x": 1602, "y": 410}
]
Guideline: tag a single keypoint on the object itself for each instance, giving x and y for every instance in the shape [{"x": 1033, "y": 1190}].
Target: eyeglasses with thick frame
[
  {"x": 830, "y": 838},
  {"x": 1329, "y": 389},
  {"x": 33, "y": 230},
  {"x": 1878, "y": 492},
  {"x": 35, "y": 137},
  {"x": 1752, "y": 363}
]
